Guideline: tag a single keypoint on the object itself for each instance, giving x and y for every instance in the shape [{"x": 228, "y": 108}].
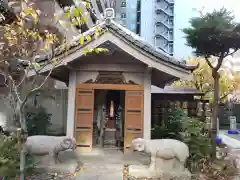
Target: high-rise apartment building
[
  {"x": 151, "y": 19},
  {"x": 128, "y": 14}
]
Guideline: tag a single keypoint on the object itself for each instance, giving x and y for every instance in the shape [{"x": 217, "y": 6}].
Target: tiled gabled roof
[
  {"x": 175, "y": 90},
  {"x": 132, "y": 39},
  {"x": 139, "y": 42}
]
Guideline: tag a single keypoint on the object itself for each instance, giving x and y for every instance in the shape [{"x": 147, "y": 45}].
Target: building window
[
  {"x": 171, "y": 35},
  {"x": 124, "y": 4},
  {"x": 138, "y": 17},
  {"x": 123, "y": 15},
  {"x": 99, "y": 5},
  {"x": 170, "y": 48},
  {"x": 105, "y": 3},
  {"x": 113, "y": 4},
  {"x": 138, "y": 29},
  {"x": 158, "y": 24},
  {"x": 138, "y": 5},
  {"x": 171, "y": 21},
  {"x": 158, "y": 11},
  {"x": 171, "y": 9}
]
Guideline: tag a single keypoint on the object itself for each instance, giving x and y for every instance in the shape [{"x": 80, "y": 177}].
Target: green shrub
[
  {"x": 10, "y": 157},
  {"x": 38, "y": 120},
  {"x": 171, "y": 127},
  {"x": 189, "y": 130},
  {"x": 198, "y": 141}
]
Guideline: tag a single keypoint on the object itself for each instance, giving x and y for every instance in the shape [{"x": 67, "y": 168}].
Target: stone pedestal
[
  {"x": 110, "y": 138},
  {"x": 69, "y": 163},
  {"x": 141, "y": 172}
]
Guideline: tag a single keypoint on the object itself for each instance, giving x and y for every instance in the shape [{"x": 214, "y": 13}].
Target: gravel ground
[
  {"x": 49, "y": 176},
  {"x": 52, "y": 176},
  {"x": 127, "y": 177}
]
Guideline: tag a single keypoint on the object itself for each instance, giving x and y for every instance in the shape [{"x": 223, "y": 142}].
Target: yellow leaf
[
  {"x": 54, "y": 60},
  {"x": 90, "y": 50},
  {"x": 98, "y": 29},
  {"x": 80, "y": 10},
  {"x": 76, "y": 12},
  {"x": 35, "y": 16},
  {"x": 84, "y": 19},
  {"x": 85, "y": 51},
  {"x": 97, "y": 51},
  {"x": 87, "y": 4},
  {"x": 28, "y": 11},
  {"x": 89, "y": 38},
  {"x": 67, "y": 14},
  {"x": 81, "y": 39},
  {"x": 36, "y": 65}
]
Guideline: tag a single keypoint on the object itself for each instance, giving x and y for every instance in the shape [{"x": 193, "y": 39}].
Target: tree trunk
[
  {"x": 23, "y": 146},
  {"x": 216, "y": 77}
]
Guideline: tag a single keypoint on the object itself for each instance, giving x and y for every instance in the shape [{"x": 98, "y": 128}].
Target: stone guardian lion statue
[
  {"x": 50, "y": 145},
  {"x": 167, "y": 155}
]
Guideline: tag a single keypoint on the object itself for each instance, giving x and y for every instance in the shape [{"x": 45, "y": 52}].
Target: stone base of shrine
[{"x": 136, "y": 172}]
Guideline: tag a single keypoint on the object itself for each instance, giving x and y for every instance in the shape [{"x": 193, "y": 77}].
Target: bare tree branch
[
  {"x": 23, "y": 78},
  {"x": 35, "y": 89},
  {"x": 230, "y": 54},
  {"x": 225, "y": 95},
  {"x": 14, "y": 88},
  {"x": 219, "y": 64},
  {"x": 208, "y": 62}
]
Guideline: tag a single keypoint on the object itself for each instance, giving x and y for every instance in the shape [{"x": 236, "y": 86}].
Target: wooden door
[
  {"x": 133, "y": 126},
  {"x": 84, "y": 119}
]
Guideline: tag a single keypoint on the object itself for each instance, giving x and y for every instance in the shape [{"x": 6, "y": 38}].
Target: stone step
[{"x": 101, "y": 171}]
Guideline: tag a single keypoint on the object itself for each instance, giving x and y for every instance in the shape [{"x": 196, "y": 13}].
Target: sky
[{"x": 185, "y": 9}]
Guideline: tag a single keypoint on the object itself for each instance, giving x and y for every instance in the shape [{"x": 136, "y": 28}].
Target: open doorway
[{"x": 108, "y": 121}]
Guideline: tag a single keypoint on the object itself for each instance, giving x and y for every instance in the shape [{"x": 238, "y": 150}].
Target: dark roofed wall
[{"x": 161, "y": 102}]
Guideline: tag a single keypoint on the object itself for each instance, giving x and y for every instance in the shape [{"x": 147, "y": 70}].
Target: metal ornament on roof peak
[{"x": 109, "y": 13}]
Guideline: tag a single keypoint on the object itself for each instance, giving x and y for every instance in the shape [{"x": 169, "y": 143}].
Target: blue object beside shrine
[
  {"x": 233, "y": 132},
  {"x": 218, "y": 140}
]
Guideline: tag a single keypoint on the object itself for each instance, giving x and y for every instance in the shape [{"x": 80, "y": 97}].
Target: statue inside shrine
[
  {"x": 108, "y": 120},
  {"x": 110, "y": 126},
  {"x": 111, "y": 119},
  {"x": 111, "y": 109}
]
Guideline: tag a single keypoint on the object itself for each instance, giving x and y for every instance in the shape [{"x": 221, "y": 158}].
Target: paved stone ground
[
  {"x": 107, "y": 164},
  {"x": 232, "y": 141},
  {"x": 235, "y": 136}
]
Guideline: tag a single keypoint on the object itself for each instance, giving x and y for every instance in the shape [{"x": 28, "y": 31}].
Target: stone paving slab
[
  {"x": 108, "y": 164},
  {"x": 101, "y": 172},
  {"x": 232, "y": 141}
]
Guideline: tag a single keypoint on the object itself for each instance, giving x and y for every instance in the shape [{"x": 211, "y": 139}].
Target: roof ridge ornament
[{"x": 109, "y": 14}]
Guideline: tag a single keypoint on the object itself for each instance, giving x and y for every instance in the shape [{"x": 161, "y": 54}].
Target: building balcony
[
  {"x": 165, "y": 24},
  {"x": 167, "y": 38},
  {"x": 159, "y": 10},
  {"x": 165, "y": 48},
  {"x": 171, "y": 2}
]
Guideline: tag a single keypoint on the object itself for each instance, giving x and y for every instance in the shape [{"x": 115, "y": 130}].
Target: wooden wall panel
[
  {"x": 84, "y": 119},
  {"x": 134, "y": 109}
]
